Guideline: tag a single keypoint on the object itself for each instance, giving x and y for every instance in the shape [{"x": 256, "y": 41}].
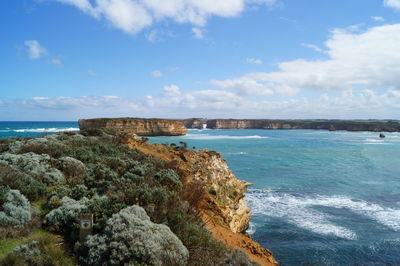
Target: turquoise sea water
[
  {"x": 319, "y": 197},
  {"x": 34, "y": 129}
]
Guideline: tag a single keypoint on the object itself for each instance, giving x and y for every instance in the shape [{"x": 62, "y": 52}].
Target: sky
[{"x": 274, "y": 59}]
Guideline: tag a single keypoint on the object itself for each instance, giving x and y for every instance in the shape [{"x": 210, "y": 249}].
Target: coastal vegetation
[{"x": 144, "y": 213}]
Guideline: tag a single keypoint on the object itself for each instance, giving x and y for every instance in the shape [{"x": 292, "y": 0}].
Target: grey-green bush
[
  {"x": 72, "y": 167},
  {"x": 66, "y": 214},
  {"x": 168, "y": 177},
  {"x": 35, "y": 165},
  {"x": 15, "y": 210},
  {"x": 130, "y": 237}
]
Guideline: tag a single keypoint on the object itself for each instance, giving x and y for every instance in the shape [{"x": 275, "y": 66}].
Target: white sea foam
[
  {"x": 299, "y": 211},
  {"x": 374, "y": 140},
  {"x": 212, "y": 137},
  {"x": 44, "y": 130},
  {"x": 296, "y": 211},
  {"x": 237, "y": 153},
  {"x": 252, "y": 229}
]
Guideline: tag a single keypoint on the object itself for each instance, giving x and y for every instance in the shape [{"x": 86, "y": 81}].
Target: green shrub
[
  {"x": 74, "y": 170},
  {"x": 30, "y": 187},
  {"x": 168, "y": 177},
  {"x": 15, "y": 209},
  {"x": 80, "y": 191},
  {"x": 130, "y": 237}
]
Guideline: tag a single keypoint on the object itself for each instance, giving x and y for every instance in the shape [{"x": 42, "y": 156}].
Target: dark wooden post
[{"x": 86, "y": 226}]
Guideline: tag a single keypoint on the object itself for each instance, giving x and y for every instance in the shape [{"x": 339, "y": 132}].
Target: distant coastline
[{"x": 332, "y": 125}]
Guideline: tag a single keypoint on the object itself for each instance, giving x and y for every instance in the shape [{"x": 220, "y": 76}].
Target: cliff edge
[
  {"x": 138, "y": 126},
  {"x": 218, "y": 195}
]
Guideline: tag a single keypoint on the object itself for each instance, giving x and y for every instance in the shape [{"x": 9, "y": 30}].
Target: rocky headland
[
  {"x": 332, "y": 125},
  {"x": 216, "y": 193},
  {"x": 138, "y": 126}
]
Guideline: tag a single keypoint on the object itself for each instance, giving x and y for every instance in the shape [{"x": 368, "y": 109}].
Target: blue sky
[{"x": 70, "y": 59}]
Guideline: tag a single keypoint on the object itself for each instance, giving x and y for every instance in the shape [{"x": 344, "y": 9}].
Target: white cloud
[
  {"x": 392, "y": 3},
  {"x": 369, "y": 60},
  {"x": 56, "y": 61},
  {"x": 255, "y": 61},
  {"x": 172, "y": 90},
  {"x": 133, "y": 16},
  {"x": 83, "y": 5},
  {"x": 198, "y": 33},
  {"x": 35, "y": 50},
  {"x": 157, "y": 74},
  {"x": 152, "y": 36},
  {"x": 313, "y": 47},
  {"x": 130, "y": 16},
  {"x": 244, "y": 86},
  {"x": 376, "y": 18},
  {"x": 174, "y": 103}
]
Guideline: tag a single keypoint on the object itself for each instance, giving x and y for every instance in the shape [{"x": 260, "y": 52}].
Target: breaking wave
[
  {"x": 212, "y": 137},
  {"x": 298, "y": 210},
  {"x": 44, "y": 130}
]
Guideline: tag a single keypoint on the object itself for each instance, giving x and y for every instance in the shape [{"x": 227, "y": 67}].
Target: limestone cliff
[
  {"x": 138, "y": 126},
  {"x": 217, "y": 194},
  {"x": 349, "y": 125},
  {"x": 194, "y": 123}
]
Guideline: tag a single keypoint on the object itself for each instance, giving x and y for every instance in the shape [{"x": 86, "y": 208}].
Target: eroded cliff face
[
  {"x": 138, "y": 126},
  {"x": 216, "y": 193},
  {"x": 375, "y": 126},
  {"x": 193, "y": 123}
]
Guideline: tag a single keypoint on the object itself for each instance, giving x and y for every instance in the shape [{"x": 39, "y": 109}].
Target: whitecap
[
  {"x": 374, "y": 140},
  {"x": 252, "y": 228},
  {"x": 44, "y": 130},
  {"x": 299, "y": 211},
  {"x": 216, "y": 137},
  {"x": 237, "y": 153}
]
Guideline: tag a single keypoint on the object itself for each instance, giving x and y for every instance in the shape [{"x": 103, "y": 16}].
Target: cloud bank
[
  {"x": 174, "y": 103},
  {"x": 132, "y": 16},
  {"x": 392, "y": 3},
  {"x": 368, "y": 60}
]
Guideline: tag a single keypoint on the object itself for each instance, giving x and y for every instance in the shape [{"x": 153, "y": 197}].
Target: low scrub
[{"x": 69, "y": 174}]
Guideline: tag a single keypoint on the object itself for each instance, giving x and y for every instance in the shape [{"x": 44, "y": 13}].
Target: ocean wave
[
  {"x": 299, "y": 211},
  {"x": 374, "y": 140},
  {"x": 237, "y": 153},
  {"x": 296, "y": 211},
  {"x": 252, "y": 229},
  {"x": 212, "y": 137},
  {"x": 44, "y": 130}
]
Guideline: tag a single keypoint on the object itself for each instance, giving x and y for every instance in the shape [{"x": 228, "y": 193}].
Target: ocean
[
  {"x": 319, "y": 197},
  {"x": 34, "y": 129}
]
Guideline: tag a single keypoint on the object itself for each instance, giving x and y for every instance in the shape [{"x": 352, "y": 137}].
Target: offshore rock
[{"x": 138, "y": 126}]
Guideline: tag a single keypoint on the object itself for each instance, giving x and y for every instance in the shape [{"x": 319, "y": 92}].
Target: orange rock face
[{"x": 138, "y": 126}]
